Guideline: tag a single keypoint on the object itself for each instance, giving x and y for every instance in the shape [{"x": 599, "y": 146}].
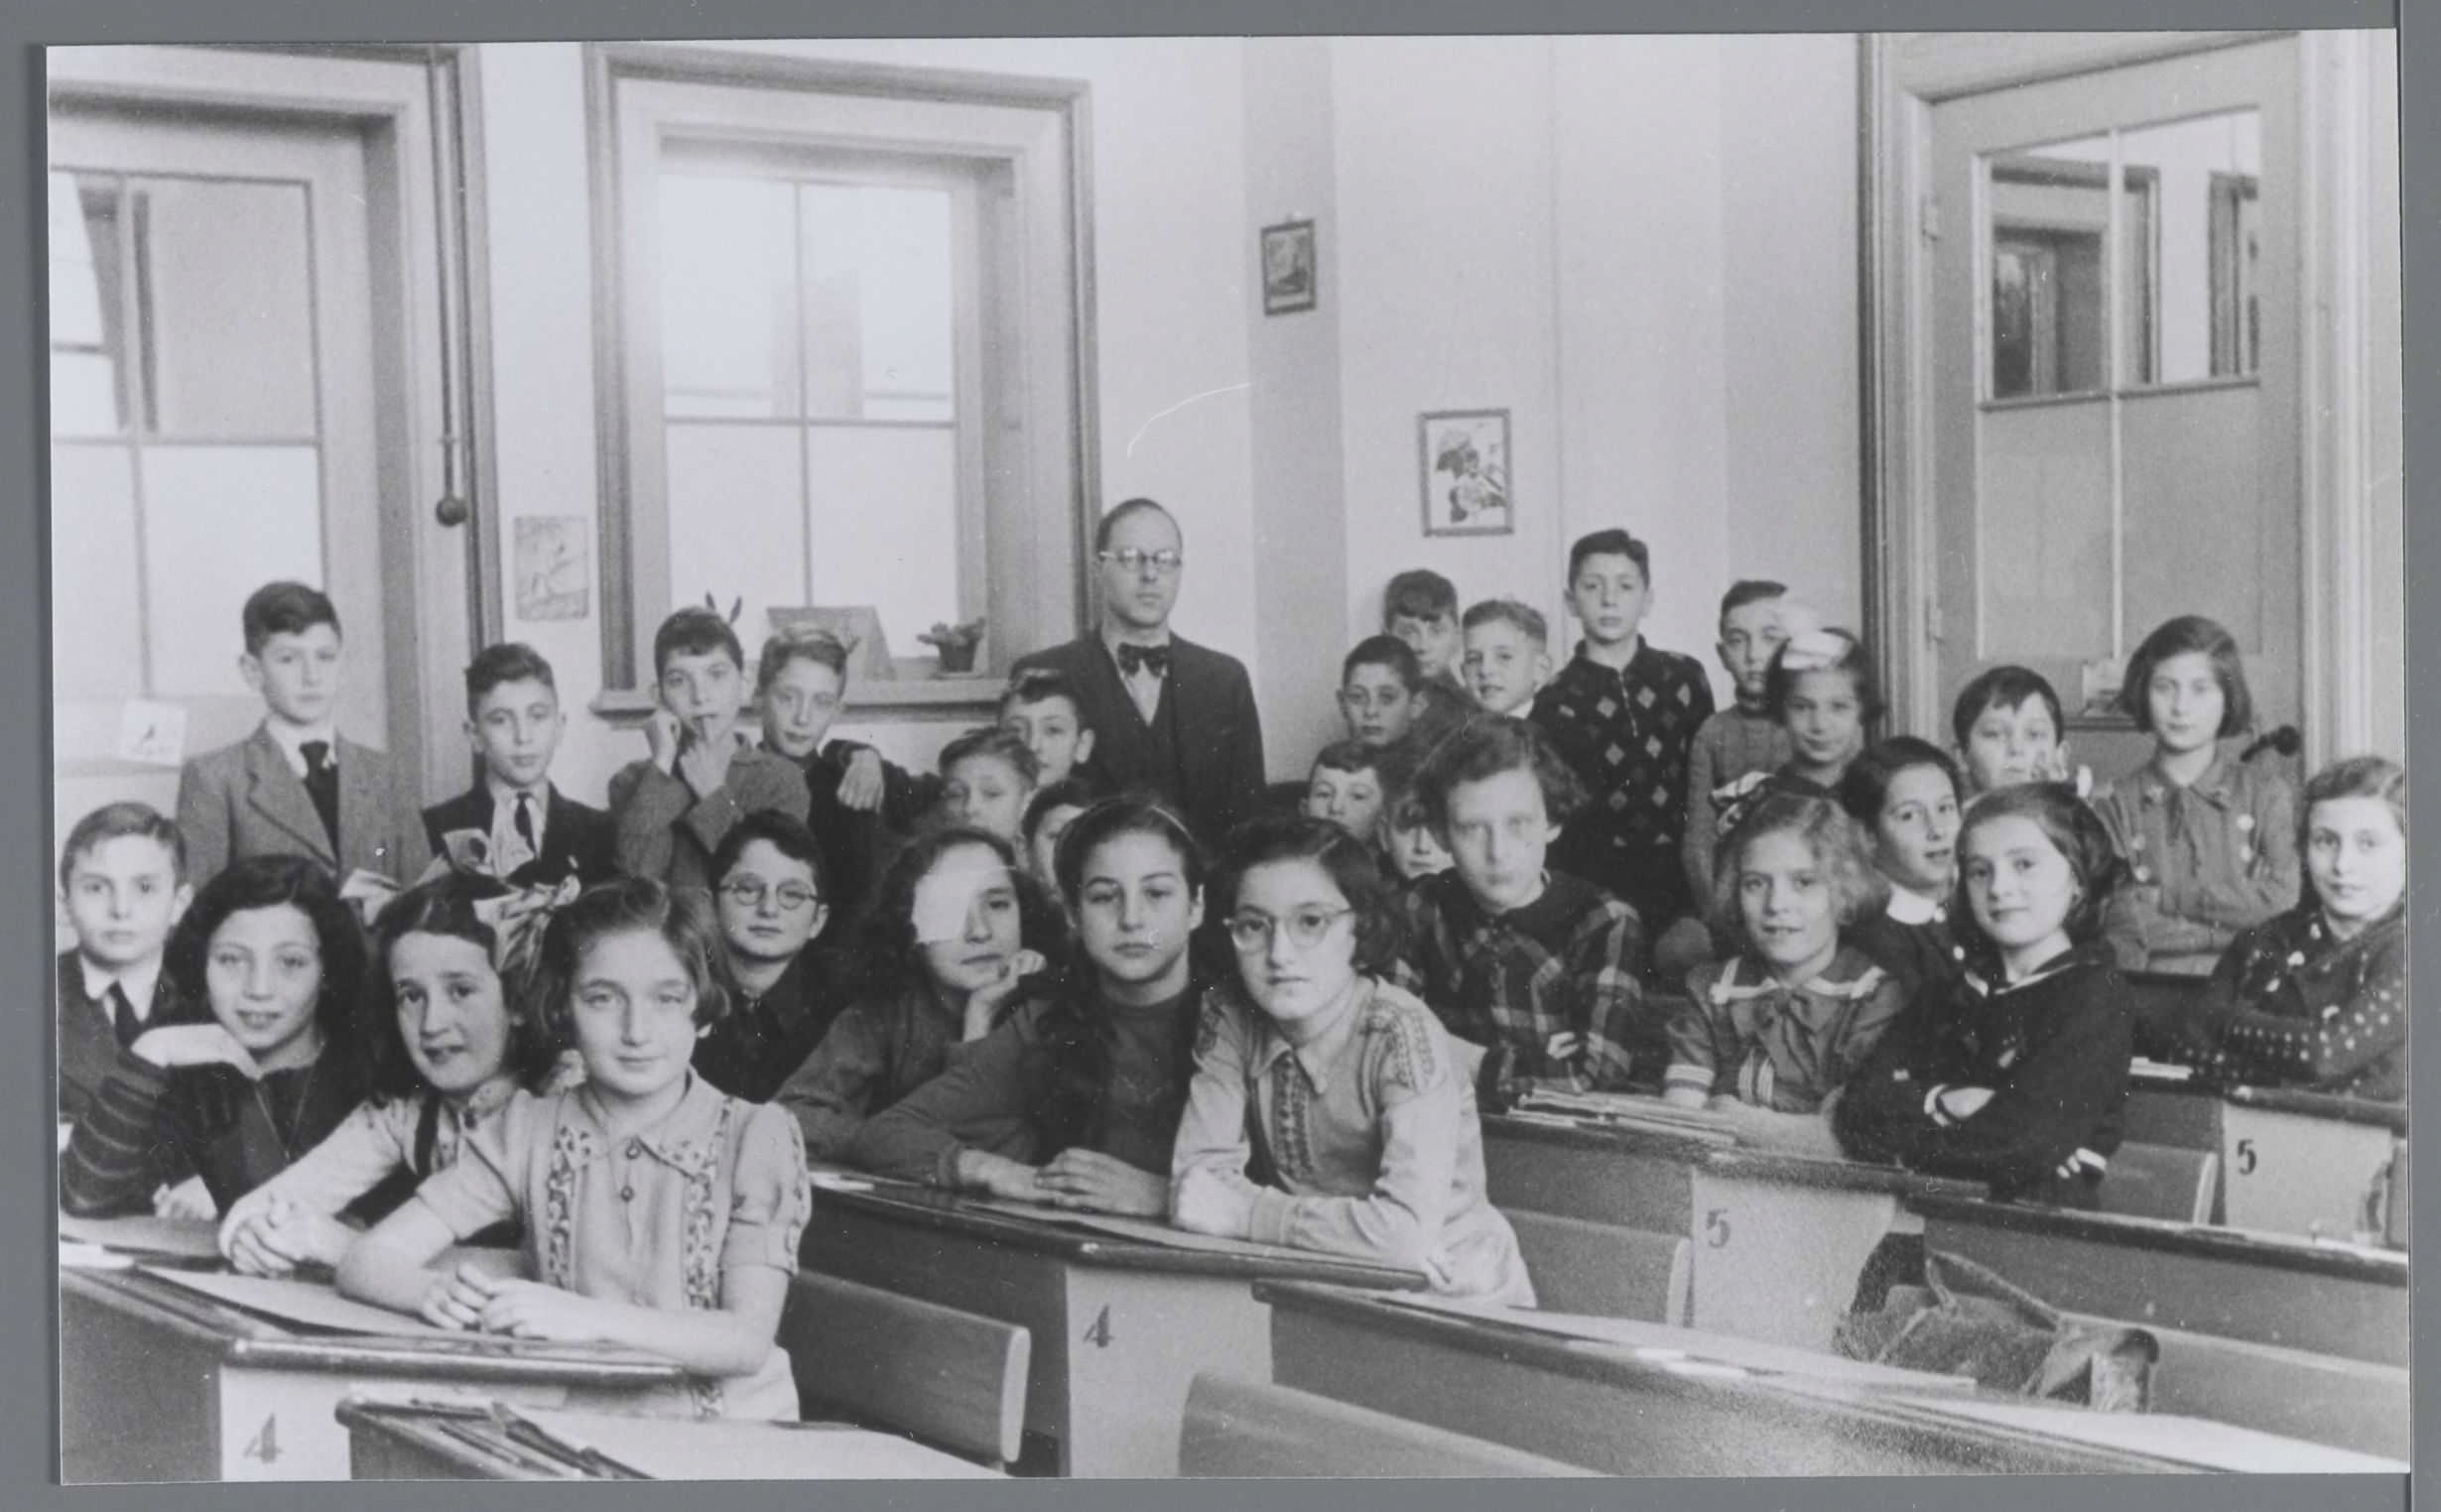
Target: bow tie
[{"x": 1135, "y": 659}]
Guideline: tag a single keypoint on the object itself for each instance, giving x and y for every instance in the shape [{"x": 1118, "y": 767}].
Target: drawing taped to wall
[{"x": 1465, "y": 472}]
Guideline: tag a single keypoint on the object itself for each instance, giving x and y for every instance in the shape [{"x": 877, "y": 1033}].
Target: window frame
[{"x": 1028, "y": 135}]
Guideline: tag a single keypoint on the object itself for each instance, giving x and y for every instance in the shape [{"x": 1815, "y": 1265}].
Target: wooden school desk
[
  {"x": 160, "y": 1383},
  {"x": 1120, "y": 1324},
  {"x": 1777, "y": 1240},
  {"x": 445, "y": 1441},
  {"x": 1679, "y": 1402},
  {"x": 2291, "y": 1162},
  {"x": 2271, "y": 1289}
]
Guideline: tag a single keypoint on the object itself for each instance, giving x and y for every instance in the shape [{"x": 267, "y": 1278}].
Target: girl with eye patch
[
  {"x": 1330, "y": 1110},
  {"x": 1075, "y": 1101},
  {"x": 955, "y": 930}
]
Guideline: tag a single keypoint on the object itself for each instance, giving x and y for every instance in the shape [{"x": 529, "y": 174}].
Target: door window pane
[
  {"x": 2205, "y": 177},
  {"x": 88, "y": 339},
  {"x": 219, "y": 522},
  {"x": 224, "y": 285}
]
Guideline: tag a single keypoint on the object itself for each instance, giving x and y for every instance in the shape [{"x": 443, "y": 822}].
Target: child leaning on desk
[
  {"x": 658, "y": 1212},
  {"x": 1330, "y": 1110}
]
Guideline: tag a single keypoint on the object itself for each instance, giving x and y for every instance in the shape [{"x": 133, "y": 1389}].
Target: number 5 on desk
[{"x": 1716, "y": 1228}]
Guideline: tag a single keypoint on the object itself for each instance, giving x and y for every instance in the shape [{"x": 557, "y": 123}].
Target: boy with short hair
[
  {"x": 1420, "y": 607},
  {"x": 1623, "y": 715},
  {"x": 1380, "y": 682},
  {"x": 768, "y": 894},
  {"x": 1347, "y": 785},
  {"x": 858, "y": 804},
  {"x": 1041, "y": 708},
  {"x": 123, "y": 878},
  {"x": 1742, "y": 737},
  {"x": 1542, "y": 969},
  {"x": 987, "y": 775},
  {"x": 672, "y": 809},
  {"x": 530, "y": 832},
  {"x": 1507, "y": 655},
  {"x": 296, "y": 786},
  {"x": 2009, "y": 730}
]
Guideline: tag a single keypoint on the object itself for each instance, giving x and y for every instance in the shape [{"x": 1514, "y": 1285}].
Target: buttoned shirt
[
  {"x": 2291, "y": 1004},
  {"x": 509, "y": 850},
  {"x": 137, "y": 981},
  {"x": 1366, "y": 1137},
  {"x": 1569, "y": 961},
  {"x": 1778, "y": 1045},
  {"x": 2204, "y": 861},
  {"x": 655, "y": 1217}
]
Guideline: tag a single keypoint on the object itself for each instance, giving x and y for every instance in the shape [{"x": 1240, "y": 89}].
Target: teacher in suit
[{"x": 1169, "y": 717}]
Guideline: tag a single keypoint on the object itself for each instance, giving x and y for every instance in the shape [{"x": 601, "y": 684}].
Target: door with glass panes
[
  {"x": 2114, "y": 366},
  {"x": 213, "y": 427}
]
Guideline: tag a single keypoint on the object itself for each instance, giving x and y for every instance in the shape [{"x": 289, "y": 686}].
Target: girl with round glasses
[{"x": 1330, "y": 1110}]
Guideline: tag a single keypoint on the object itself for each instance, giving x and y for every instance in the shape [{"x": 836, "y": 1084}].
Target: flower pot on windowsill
[{"x": 955, "y": 645}]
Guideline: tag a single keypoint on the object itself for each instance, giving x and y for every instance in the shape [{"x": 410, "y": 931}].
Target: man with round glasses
[{"x": 1169, "y": 716}]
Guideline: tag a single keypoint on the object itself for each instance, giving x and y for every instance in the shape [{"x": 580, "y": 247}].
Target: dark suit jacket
[
  {"x": 1218, "y": 779},
  {"x": 89, "y": 1042},
  {"x": 245, "y": 799},
  {"x": 579, "y": 839}
]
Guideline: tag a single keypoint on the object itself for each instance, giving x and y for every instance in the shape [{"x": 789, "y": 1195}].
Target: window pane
[
  {"x": 878, "y": 303},
  {"x": 2049, "y": 211},
  {"x": 224, "y": 286},
  {"x": 87, "y": 301},
  {"x": 885, "y": 525},
  {"x": 219, "y": 522},
  {"x": 95, "y": 651},
  {"x": 2045, "y": 517},
  {"x": 727, "y": 298},
  {"x": 736, "y": 520},
  {"x": 2203, "y": 177}
]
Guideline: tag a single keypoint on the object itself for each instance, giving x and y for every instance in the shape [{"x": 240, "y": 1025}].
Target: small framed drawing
[
  {"x": 1289, "y": 270},
  {"x": 1465, "y": 466}
]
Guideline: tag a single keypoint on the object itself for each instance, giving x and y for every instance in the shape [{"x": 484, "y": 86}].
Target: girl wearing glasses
[
  {"x": 1075, "y": 1101},
  {"x": 940, "y": 956},
  {"x": 1330, "y": 1110}
]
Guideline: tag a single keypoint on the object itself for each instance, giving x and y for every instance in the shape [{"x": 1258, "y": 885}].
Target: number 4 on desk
[
  {"x": 1098, "y": 1335},
  {"x": 264, "y": 1447}
]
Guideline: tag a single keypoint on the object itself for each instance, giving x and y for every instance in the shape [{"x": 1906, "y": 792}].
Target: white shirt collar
[
  {"x": 506, "y": 845},
  {"x": 290, "y": 739},
  {"x": 1909, "y": 906},
  {"x": 137, "y": 981}
]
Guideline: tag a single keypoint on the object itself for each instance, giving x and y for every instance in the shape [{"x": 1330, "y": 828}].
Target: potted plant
[{"x": 955, "y": 642}]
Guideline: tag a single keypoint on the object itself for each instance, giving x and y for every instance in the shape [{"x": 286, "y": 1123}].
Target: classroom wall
[{"x": 1644, "y": 248}]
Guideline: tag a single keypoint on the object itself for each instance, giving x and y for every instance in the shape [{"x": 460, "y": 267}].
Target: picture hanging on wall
[
  {"x": 1465, "y": 466},
  {"x": 1289, "y": 270}
]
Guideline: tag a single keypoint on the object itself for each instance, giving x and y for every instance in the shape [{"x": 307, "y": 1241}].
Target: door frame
[
  {"x": 401, "y": 98},
  {"x": 2350, "y": 674}
]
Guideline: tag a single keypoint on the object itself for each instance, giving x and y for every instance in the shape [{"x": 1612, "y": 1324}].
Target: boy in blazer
[
  {"x": 123, "y": 877},
  {"x": 296, "y": 787},
  {"x": 1169, "y": 717},
  {"x": 530, "y": 832}
]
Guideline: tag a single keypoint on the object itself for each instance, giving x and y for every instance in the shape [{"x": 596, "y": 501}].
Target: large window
[{"x": 847, "y": 370}]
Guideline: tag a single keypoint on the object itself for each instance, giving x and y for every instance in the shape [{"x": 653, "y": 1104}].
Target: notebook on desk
[
  {"x": 671, "y": 1449},
  {"x": 145, "y": 1235}
]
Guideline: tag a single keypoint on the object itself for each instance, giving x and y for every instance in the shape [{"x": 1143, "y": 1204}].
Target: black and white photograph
[{"x": 750, "y": 781}]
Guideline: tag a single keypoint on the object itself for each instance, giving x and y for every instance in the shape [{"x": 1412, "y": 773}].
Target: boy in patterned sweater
[{"x": 1623, "y": 715}]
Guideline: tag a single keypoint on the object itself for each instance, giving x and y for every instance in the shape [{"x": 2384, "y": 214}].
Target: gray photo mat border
[{"x": 28, "y": 1434}]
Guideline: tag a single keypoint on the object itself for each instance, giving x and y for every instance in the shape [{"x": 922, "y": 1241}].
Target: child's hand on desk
[
  {"x": 530, "y": 1309},
  {"x": 273, "y": 1236},
  {"x": 1099, "y": 1183},
  {"x": 188, "y": 1200},
  {"x": 1206, "y": 1204},
  {"x": 1564, "y": 1046},
  {"x": 1001, "y": 1176},
  {"x": 984, "y": 1003},
  {"x": 458, "y": 1296},
  {"x": 194, "y": 1045},
  {"x": 860, "y": 787}
]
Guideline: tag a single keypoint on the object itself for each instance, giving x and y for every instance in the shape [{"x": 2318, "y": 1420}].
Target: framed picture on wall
[
  {"x": 1290, "y": 274},
  {"x": 1463, "y": 457}
]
